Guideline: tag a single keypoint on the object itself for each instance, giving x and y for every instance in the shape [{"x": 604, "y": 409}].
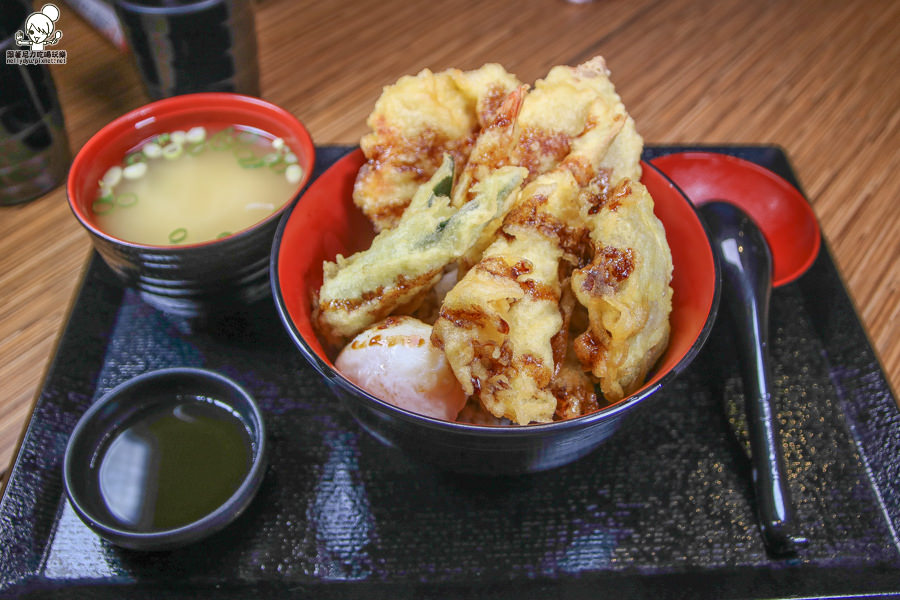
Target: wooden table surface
[{"x": 816, "y": 77}]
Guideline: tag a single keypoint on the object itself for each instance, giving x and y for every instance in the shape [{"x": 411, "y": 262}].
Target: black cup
[
  {"x": 34, "y": 148},
  {"x": 186, "y": 46}
]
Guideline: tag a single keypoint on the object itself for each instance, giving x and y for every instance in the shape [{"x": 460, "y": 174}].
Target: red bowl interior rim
[
  {"x": 296, "y": 271},
  {"x": 107, "y": 147}
]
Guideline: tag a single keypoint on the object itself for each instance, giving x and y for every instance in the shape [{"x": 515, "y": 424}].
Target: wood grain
[{"x": 817, "y": 77}]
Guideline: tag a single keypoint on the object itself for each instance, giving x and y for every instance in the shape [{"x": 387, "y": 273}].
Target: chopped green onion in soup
[{"x": 191, "y": 186}]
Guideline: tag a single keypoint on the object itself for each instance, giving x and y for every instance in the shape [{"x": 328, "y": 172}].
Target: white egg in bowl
[{"x": 395, "y": 360}]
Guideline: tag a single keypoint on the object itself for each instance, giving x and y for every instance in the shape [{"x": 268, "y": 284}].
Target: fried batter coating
[
  {"x": 496, "y": 340},
  {"x": 625, "y": 289},
  {"x": 414, "y": 123},
  {"x": 569, "y": 119},
  {"x": 497, "y": 326},
  {"x": 494, "y": 148},
  {"x": 623, "y": 160},
  {"x": 574, "y": 391},
  {"x": 573, "y": 388},
  {"x": 537, "y": 129},
  {"x": 403, "y": 263},
  {"x": 475, "y": 414},
  {"x": 566, "y": 104},
  {"x": 488, "y": 86}
]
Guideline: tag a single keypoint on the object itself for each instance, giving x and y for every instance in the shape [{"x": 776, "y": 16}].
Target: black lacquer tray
[{"x": 663, "y": 510}]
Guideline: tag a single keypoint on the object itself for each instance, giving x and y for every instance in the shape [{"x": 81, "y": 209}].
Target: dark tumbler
[
  {"x": 34, "y": 148},
  {"x": 187, "y": 46}
]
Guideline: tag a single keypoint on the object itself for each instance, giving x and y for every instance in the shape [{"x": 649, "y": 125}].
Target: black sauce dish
[
  {"x": 197, "y": 280},
  {"x": 296, "y": 271},
  {"x": 166, "y": 459}
]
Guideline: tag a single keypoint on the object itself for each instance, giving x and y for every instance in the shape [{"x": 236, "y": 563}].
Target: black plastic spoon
[{"x": 746, "y": 264}]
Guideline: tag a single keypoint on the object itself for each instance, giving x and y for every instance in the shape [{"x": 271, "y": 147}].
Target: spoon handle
[{"x": 746, "y": 264}]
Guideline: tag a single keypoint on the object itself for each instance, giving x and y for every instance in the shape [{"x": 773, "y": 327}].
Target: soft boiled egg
[{"x": 395, "y": 361}]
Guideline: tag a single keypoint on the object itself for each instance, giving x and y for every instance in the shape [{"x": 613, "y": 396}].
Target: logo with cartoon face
[{"x": 40, "y": 29}]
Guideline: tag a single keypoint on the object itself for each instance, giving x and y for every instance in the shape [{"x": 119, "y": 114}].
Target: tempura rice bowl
[{"x": 325, "y": 222}]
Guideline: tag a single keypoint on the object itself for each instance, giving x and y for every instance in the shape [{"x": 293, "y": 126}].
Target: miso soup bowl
[
  {"x": 189, "y": 280},
  {"x": 327, "y": 208}
]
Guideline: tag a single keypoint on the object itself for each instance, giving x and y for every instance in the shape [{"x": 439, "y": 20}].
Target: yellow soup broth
[{"x": 187, "y": 187}]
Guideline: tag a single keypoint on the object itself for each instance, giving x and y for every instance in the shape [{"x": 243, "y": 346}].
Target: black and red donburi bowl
[
  {"x": 189, "y": 280},
  {"x": 325, "y": 222}
]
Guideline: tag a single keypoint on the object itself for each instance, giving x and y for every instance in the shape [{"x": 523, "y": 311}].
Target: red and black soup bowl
[{"x": 200, "y": 279}]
